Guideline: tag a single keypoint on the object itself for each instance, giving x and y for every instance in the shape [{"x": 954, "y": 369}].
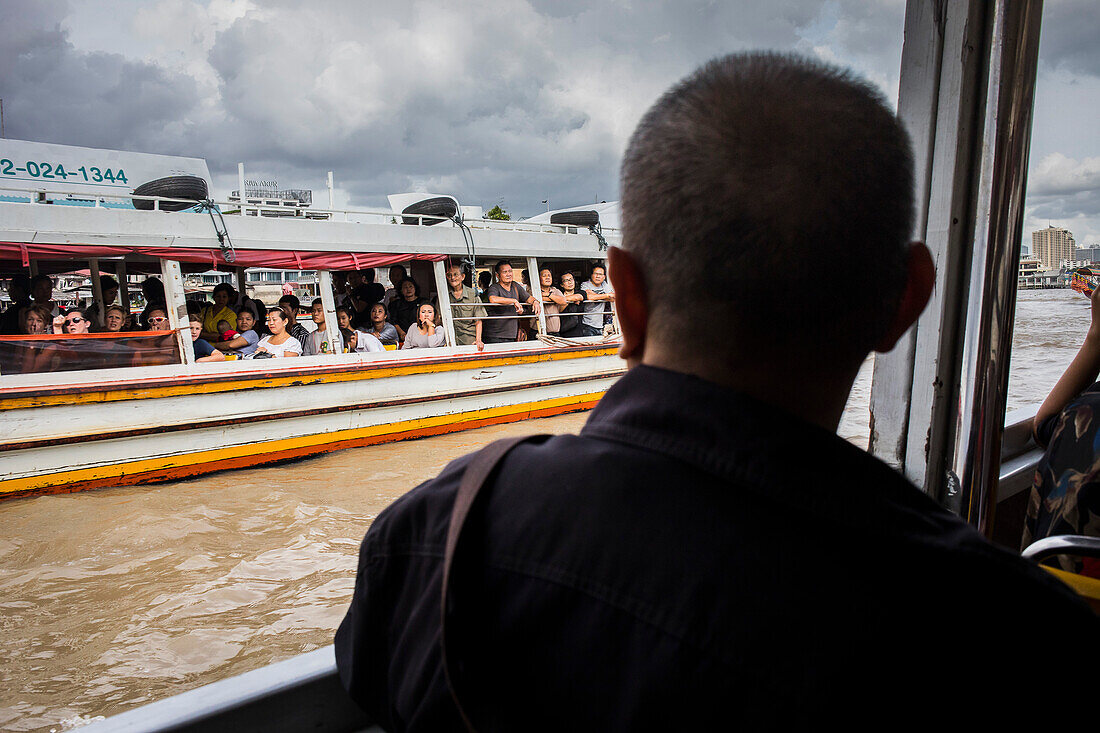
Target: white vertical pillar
[
  {"x": 536, "y": 290},
  {"x": 240, "y": 185},
  {"x": 177, "y": 308},
  {"x": 444, "y": 292},
  {"x": 331, "y": 193},
  {"x": 332, "y": 327}
]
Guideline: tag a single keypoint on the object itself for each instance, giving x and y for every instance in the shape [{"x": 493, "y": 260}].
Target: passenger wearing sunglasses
[
  {"x": 157, "y": 320},
  {"x": 75, "y": 321}
]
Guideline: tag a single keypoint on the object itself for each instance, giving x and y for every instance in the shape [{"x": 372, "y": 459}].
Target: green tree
[{"x": 499, "y": 214}]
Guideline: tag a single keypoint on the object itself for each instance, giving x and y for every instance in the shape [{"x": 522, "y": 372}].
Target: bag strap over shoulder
[{"x": 477, "y": 474}]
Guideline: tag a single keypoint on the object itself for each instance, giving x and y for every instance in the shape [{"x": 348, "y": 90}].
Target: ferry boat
[
  {"x": 938, "y": 400},
  {"x": 89, "y": 428}
]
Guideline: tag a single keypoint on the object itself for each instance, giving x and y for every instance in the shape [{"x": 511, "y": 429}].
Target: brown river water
[{"x": 114, "y": 598}]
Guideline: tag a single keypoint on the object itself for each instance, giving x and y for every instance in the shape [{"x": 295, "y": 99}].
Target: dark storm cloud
[{"x": 53, "y": 92}]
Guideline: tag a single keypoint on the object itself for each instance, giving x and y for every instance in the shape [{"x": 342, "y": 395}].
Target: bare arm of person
[
  {"x": 556, "y": 297},
  {"x": 1080, "y": 373},
  {"x": 237, "y": 342},
  {"x": 507, "y": 301},
  {"x": 477, "y": 336},
  {"x": 216, "y": 356}
]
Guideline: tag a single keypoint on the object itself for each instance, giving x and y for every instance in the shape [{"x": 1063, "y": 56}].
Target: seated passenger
[
  {"x": 291, "y": 305},
  {"x": 156, "y": 318},
  {"x": 36, "y": 320},
  {"x": 1065, "y": 498},
  {"x": 424, "y": 333},
  {"x": 362, "y": 298},
  {"x": 317, "y": 342},
  {"x": 114, "y": 318},
  {"x": 403, "y": 308},
  {"x": 380, "y": 327},
  {"x": 203, "y": 350},
  {"x": 280, "y": 343},
  {"x": 247, "y": 339},
  {"x": 219, "y": 310},
  {"x": 729, "y": 560}
]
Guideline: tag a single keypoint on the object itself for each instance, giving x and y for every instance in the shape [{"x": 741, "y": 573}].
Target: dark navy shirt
[{"x": 695, "y": 559}]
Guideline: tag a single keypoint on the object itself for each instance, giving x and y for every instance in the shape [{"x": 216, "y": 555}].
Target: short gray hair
[{"x": 776, "y": 191}]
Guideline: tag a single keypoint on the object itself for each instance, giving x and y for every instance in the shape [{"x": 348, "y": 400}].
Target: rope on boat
[
  {"x": 598, "y": 231},
  {"x": 551, "y": 340},
  {"x": 226, "y": 244}
]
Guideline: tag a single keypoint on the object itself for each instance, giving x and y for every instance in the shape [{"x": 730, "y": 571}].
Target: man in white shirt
[{"x": 599, "y": 292}]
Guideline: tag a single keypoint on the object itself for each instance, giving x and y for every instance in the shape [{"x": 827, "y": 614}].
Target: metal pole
[
  {"x": 331, "y": 193},
  {"x": 998, "y": 229}
]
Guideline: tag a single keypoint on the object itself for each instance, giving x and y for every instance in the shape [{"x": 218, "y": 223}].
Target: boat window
[{"x": 75, "y": 352}]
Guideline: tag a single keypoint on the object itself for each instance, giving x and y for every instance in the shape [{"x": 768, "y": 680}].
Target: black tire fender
[{"x": 191, "y": 188}]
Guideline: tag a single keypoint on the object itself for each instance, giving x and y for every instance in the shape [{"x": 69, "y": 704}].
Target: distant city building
[
  {"x": 1092, "y": 253},
  {"x": 1052, "y": 245},
  {"x": 1074, "y": 264}
]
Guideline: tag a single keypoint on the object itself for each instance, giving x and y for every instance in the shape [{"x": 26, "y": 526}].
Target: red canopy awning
[{"x": 273, "y": 258}]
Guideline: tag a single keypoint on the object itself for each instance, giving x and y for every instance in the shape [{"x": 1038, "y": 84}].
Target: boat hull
[{"x": 172, "y": 425}]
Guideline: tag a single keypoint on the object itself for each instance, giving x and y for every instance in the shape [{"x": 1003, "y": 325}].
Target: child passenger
[
  {"x": 203, "y": 350},
  {"x": 227, "y": 332}
]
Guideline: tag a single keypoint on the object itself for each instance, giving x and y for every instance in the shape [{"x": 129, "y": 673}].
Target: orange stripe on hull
[{"x": 259, "y": 459}]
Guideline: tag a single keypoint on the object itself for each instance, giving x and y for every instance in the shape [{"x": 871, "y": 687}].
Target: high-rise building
[
  {"x": 1091, "y": 253},
  {"x": 1052, "y": 245}
]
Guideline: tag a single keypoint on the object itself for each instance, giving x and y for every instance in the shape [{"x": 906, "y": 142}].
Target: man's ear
[
  {"x": 920, "y": 278},
  {"x": 630, "y": 302}
]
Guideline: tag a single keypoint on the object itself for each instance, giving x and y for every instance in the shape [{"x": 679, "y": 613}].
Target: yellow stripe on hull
[{"x": 187, "y": 464}]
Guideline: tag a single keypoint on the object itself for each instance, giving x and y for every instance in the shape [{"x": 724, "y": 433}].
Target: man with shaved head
[{"x": 707, "y": 552}]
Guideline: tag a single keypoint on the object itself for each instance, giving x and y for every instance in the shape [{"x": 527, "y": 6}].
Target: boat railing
[{"x": 362, "y": 216}]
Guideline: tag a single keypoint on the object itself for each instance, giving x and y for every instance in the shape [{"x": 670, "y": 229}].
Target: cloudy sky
[{"x": 497, "y": 101}]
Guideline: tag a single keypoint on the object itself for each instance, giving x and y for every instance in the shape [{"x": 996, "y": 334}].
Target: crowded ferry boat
[{"x": 426, "y": 319}]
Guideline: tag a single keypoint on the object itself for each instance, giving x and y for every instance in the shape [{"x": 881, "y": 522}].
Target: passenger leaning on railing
[
  {"x": 509, "y": 297},
  {"x": 247, "y": 338},
  {"x": 598, "y": 294},
  {"x": 465, "y": 304},
  {"x": 574, "y": 307},
  {"x": 203, "y": 350},
  {"x": 552, "y": 300},
  {"x": 424, "y": 334},
  {"x": 280, "y": 343}
]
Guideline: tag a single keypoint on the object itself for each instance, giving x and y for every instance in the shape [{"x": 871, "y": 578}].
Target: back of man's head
[{"x": 770, "y": 197}]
